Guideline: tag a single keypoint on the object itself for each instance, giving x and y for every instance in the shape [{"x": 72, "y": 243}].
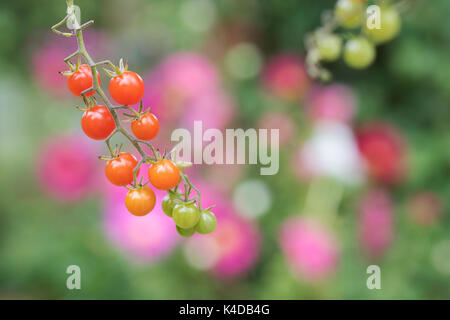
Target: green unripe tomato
[
  {"x": 187, "y": 233},
  {"x": 329, "y": 46},
  {"x": 167, "y": 205},
  {"x": 207, "y": 223},
  {"x": 185, "y": 215},
  {"x": 359, "y": 53},
  {"x": 390, "y": 25},
  {"x": 349, "y": 13}
]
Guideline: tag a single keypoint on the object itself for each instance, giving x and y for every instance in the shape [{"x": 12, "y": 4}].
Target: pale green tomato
[
  {"x": 390, "y": 25},
  {"x": 207, "y": 223},
  {"x": 349, "y": 13},
  {"x": 167, "y": 205},
  {"x": 359, "y": 53},
  {"x": 187, "y": 233},
  {"x": 185, "y": 215},
  {"x": 329, "y": 46}
]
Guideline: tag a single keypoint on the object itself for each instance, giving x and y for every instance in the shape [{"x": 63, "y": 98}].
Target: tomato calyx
[
  {"x": 174, "y": 195},
  {"x": 209, "y": 208},
  {"x": 189, "y": 202},
  {"x": 136, "y": 115},
  {"x": 180, "y": 164},
  {"x": 179, "y": 197},
  {"x": 73, "y": 68},
  {"x": 115, "y": 153},
  {"x": 137, "y": 186},
  {"x": 117, "y": 70},
  {"x": 89, "y": 103}
]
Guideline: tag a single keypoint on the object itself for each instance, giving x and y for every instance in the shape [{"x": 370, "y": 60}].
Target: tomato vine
[{"x": 140, "y": 198}]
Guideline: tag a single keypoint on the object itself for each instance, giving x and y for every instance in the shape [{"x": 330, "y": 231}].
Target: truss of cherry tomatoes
[
  {"x": 101, "y": 122},
  {"x": 326, "y": 44}
]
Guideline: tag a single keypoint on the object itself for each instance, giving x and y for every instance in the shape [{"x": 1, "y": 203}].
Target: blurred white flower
[
  {"x": 201, "y": 253},
  {"x": 252, "y": 198},
  {"x": 332, "y": 151}
]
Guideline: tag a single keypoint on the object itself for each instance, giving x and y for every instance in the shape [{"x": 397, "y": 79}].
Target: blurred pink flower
[
  {"x": 384, "y": 152},
  {"x": 285, "y": 76},
  {"x": 67, "y": 167},
  {"x": 278, "y": 120},
  {"x": 425, "y": 208},
  {"x": 223, "y": 176},
  {"x": 211, "y": 196},
  {"x": 238, "y": 243},
  {"x": 235, "y": 242},
  {"x": 300, "y": 165},
  {"x": 148, "y": 238},
  {"x": 376, "y": 225},
  {"x": 175, "y": 81},
  {"x": 334, "y": 102},
  {"x": 183, "y": 88},
  {"x": 48, "y": 60},
  {"x": 214, "y": 108},
  {"x": 310, "y": 249}
]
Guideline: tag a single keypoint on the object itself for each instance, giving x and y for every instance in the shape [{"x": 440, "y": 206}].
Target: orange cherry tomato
[
  {"x": 97, "y": 123},
  {"x": 81, "y": 80},
  {"x": 141, "y": 201},
  {"x": 127, "y": 88},
  {"x": 119, "y": 171},
  {"x": 146, "y": 128},
  {"x": 164, "y": 174}
]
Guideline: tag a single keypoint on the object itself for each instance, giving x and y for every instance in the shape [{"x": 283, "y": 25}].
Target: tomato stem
[{"x": 186, "y": 180}]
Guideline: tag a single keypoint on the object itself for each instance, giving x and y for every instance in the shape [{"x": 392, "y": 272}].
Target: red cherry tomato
[
  {"x": 141, "y": 201},
  {"x": 119, "y": 171},
  {"x": 164, "y": 174},
  {"x": 81, "y": 80},
  {"x": 97, "y": 123},
  {"x": 127, "y": 88},
  {"x": 146, "y": 128}
]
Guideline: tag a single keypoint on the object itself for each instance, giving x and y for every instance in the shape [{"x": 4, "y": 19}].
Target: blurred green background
[{"x": 57, "y": 210}]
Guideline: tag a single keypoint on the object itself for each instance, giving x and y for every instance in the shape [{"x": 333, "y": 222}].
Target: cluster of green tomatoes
[
  {"x": 187, "y": 216},
  {"x": 359, "y": 50}
]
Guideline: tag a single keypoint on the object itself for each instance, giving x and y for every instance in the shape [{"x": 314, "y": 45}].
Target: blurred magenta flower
[
  {"x": 148, "y": 238},
  {"x": 384, "y": 152},
  {"x": 278, "y": 120},
  {"x": 311, "y": 250},
  {"x": 237, "y": 241},
  {"x": 233, "y": 248},
  {"x": 179, "y": 78},
  {"x": 183, "y": 88},
  {"x": 376, "y": 225},
  {"x": 334, "y": 102},
  {"x": 285, "y": 76},
  {"x": 425, "y": 208},
  {"x": 67, "y": 167},
  {"x": 48, "y": 60},
  {"x": 214, "y": 108}
]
